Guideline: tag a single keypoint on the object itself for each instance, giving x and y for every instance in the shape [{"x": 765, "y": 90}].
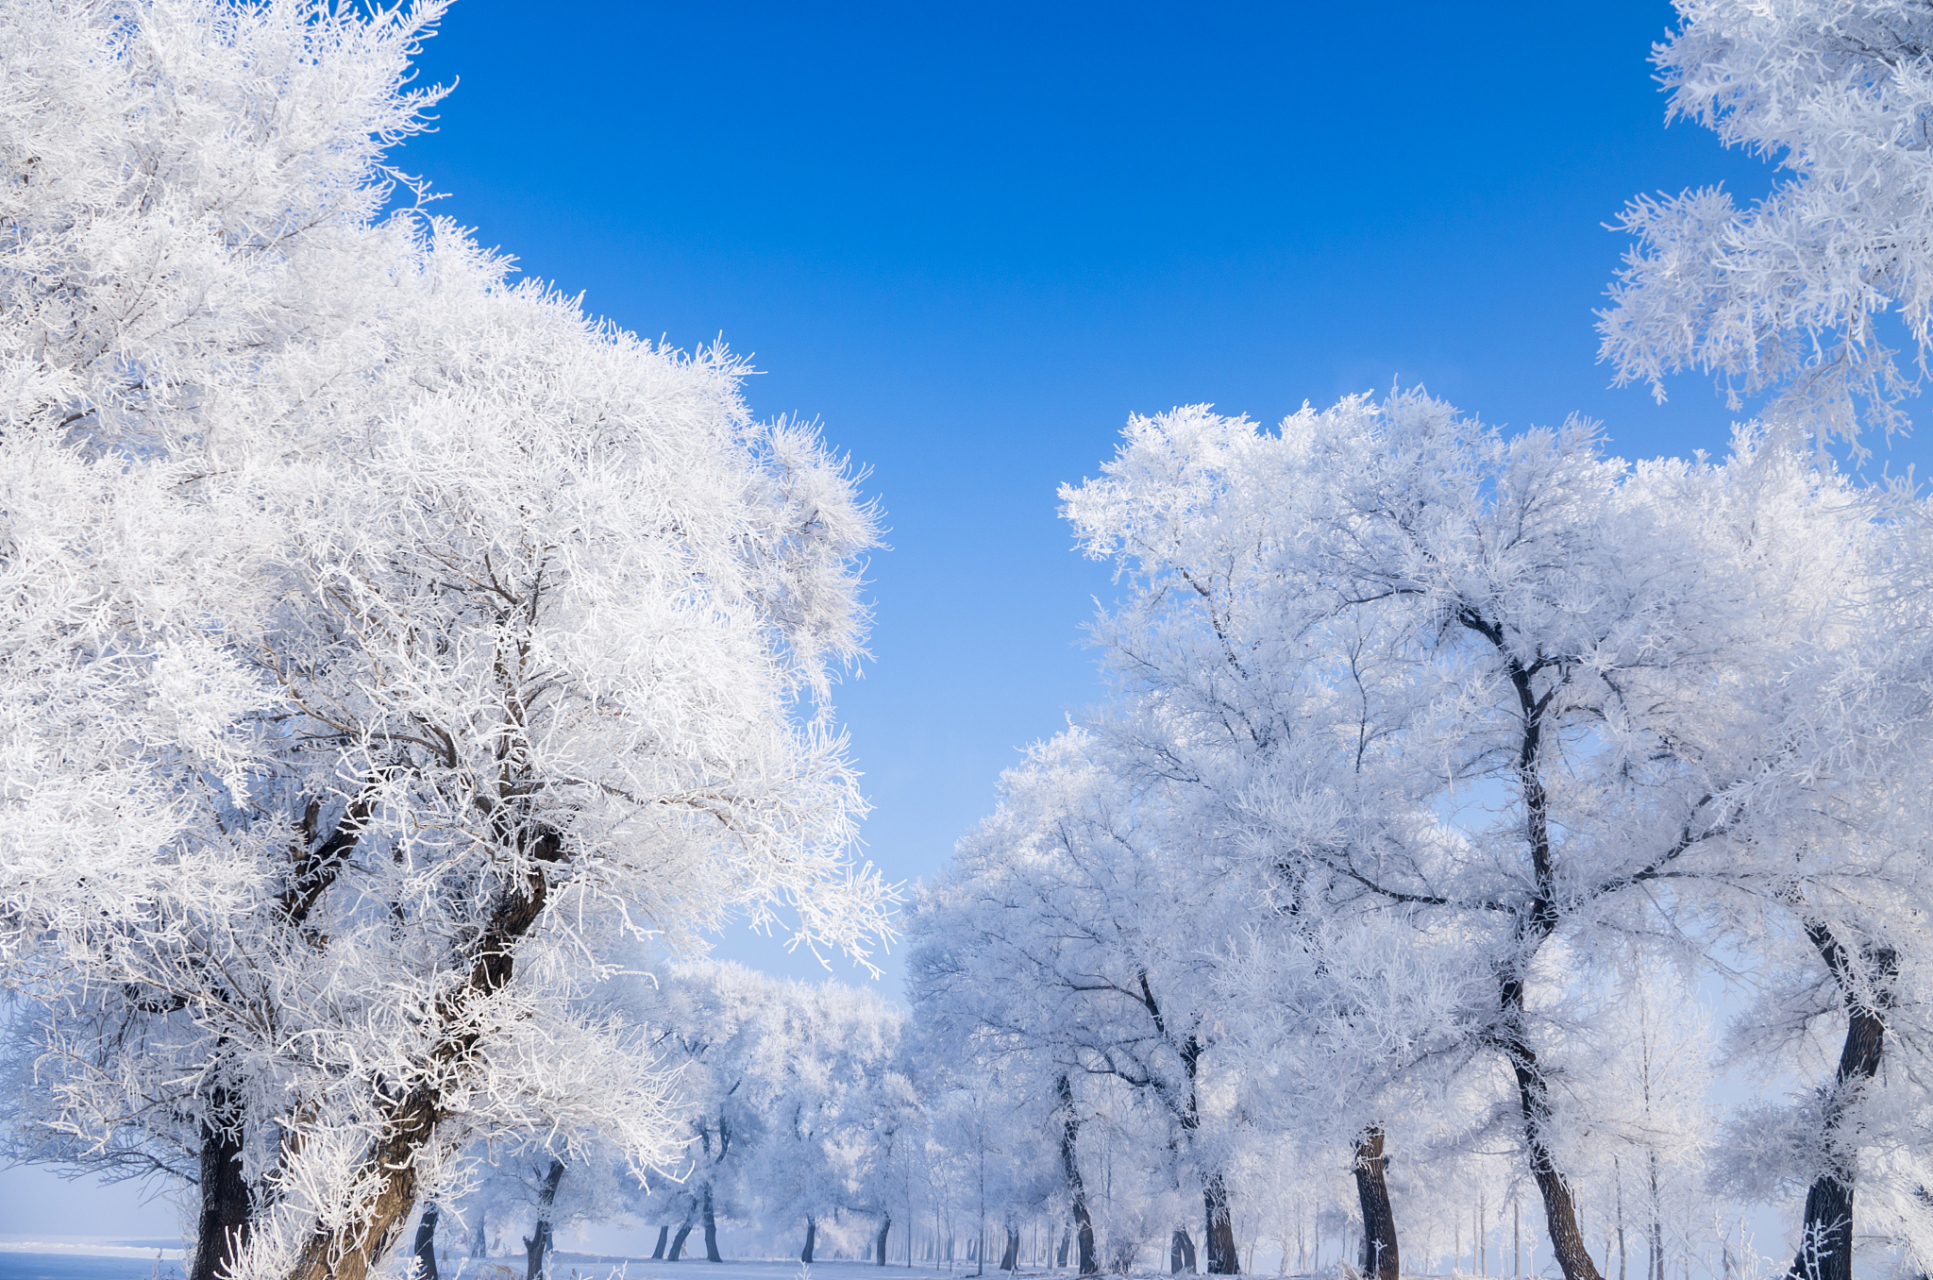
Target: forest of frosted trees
[{"x": 404, "y": 672}]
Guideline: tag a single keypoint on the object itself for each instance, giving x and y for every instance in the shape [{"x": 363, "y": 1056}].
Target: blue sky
[{"x": 971, "y": 239}]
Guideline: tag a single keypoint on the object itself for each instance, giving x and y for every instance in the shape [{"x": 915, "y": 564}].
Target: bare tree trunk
[
  {"x": 424, "y": 1247},
  {"x": 664, "y": 1234},
  {"x": 222, "y": 1229},
  {"x": 1825, "y": 1239},
  {"x": 1379, "y": 1254},
  {"x": 885, "y": 1225},
  {"x": 1010, "y": 1256},
  {"x": 811, "y": 1238},
  {"x": 711, "y": 1229},
  {"x": 537, "y": 1244},
  {"x": 1181, "y": 1252},
  {"x": 1218, "y": 1229},
  {"x": 678, "y": 1241},
  {"x": 1083, "y": 1222}
]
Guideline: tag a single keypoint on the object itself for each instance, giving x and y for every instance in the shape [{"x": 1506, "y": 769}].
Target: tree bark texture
[
  {"x": 885, "y": 1225},
  {"x": 811, "y": 1238},
  {"x": 1379, "y": 1253},
  {"x": 424, "y": 1248},
  {"x": 1825, "y": 1238},
  {"x": 1218, "y": 1231},
  {"x": 537, "y": 1243},
  {"x": 1010, "y": 1256},
  {"x": 354, "y": 1249},
  {"x": 1181, "y": 1252},
  {"x": 1083, "y": 1221},
  {"x": 222, "y": 1228}
]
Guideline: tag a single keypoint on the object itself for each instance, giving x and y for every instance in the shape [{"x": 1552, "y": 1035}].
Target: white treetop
[{"x": 1787, "y": 295}]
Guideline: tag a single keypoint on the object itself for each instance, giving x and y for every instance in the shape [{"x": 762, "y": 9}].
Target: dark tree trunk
[
  {"x": 1560, "y": 1208},
  {"x": 223, "y": 1226},
  {"x": 537, "y": 1243},
  {"x": 425, "y": 1247},
  {"x": 1083, "y": 1222},
  {"x": 885, "y": 1225},
  {"x": 711, "y": 1229},
  {"x": 811, "y": 1238},
  {"x": 678, "y": 1241},
  {"x": 1379, "y": 1257},
  {"x": 1538, "y": 920},
  {"x": 1825, "y": 1240},
  {"x": 1218, "y": 1234},
  {"x": 1060, "y": 1255},
  {"x": 480, "y": 1245},
  {"x": 1010, "y": 1256},
  {"x": 664, "y": 1234},
  {"x": 1181, "y": 1252}
]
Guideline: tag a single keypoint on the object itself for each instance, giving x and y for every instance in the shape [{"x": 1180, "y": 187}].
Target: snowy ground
[
  {"x": 22, "y": 1258},
  {"x": 586, "y": 1266}
]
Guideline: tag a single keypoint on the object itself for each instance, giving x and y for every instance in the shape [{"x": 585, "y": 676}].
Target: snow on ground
[{"x": 587, "y": 1266}]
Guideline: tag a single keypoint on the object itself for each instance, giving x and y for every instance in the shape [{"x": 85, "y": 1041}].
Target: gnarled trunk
[
  {"x": 811, "y": 1238},
  {"x": 1010, "y": 1256},
  {"x": 885, "y": 1225},
  {"x": 1825, "y": 1239},
  {"x": 424, "y": 1247},
  {"x": 1218, "y": 1236},
  {"x": 1379, "y": 1254}
]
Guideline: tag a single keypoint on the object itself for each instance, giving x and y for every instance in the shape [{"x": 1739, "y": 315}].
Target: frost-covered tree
[
  {"x": 794, "y": 1096},
  {"x": 845, "y": 1118},
  {"x": 390, "y": 646},
  {"x": 1506, "y": 690},
  {"x": 1072, "y": 936},
  {"x": 1787, "y": 295}
]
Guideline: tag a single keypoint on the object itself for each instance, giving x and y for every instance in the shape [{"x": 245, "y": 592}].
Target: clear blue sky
[{"x": 972, "y": 238}]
